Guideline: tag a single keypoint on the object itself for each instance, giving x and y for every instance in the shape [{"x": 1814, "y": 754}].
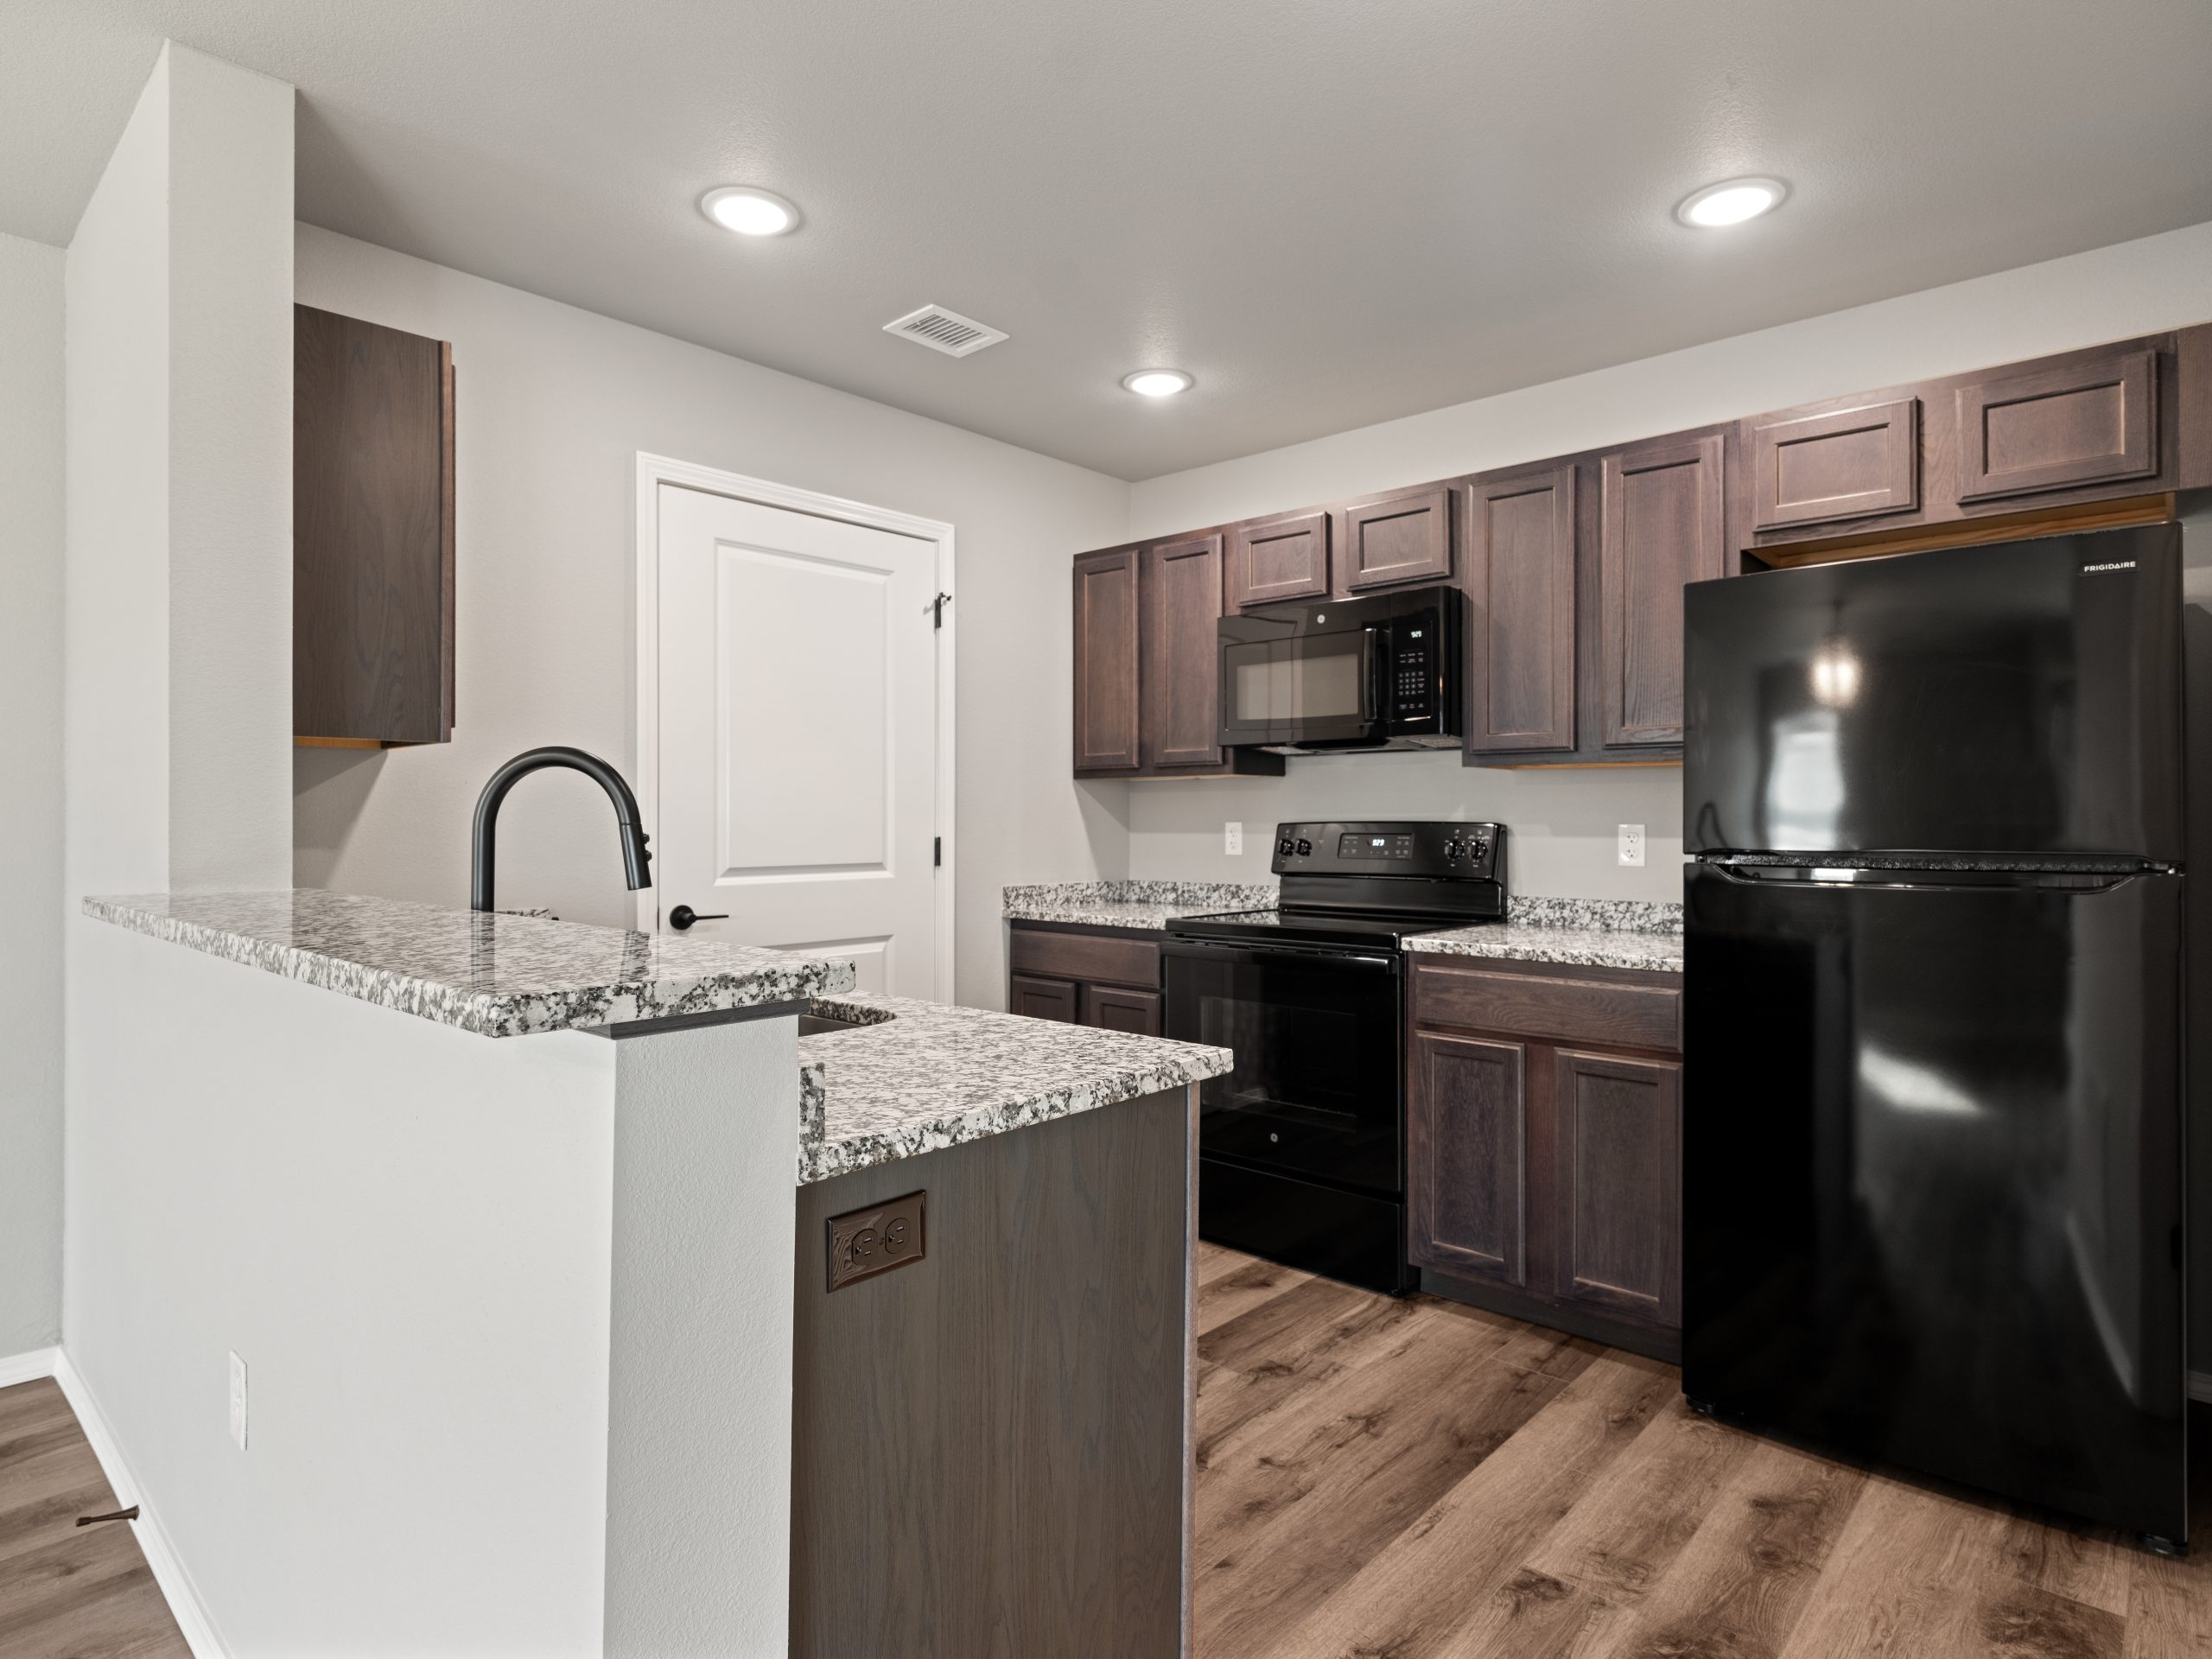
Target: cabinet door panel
[
  {"x": 1106, "y": 594},
  {"x": 1521, "y": 580},
  {"x": 1041, "y": 999},
  {"x": 1662, "y": 530},
  {"x": 1275, "y": 559},
  {"x": 1467, "y": 1153},
  {"x": 1401, "y": 538},
  {"x": 1852, "y": 463},
  {"x": 1617, "y": 1184},
  {"x": 1113, "y": 1009},
  {"x": 1179, "y": 719},
  {"x": 2090, "y": 422}
]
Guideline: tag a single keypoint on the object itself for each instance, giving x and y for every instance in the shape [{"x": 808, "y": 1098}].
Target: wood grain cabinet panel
[
  {"x": 1112, "y": 1008},
  {"x": 1106, "y": 665},
  {"x": 1271, "y": 560},
  {"x": 1617, "y": 1184},
  {"x": 1852, "y": 463},
  {"x": 1520, "y": 579},
  {"x": 1559, "y": 1005},
  {"x": 1181, "y": 706},
  {"x": 1467, "y": 1139},
  {"x": 1662, "y": 530},
  {"x": 1041, "y": 999},
  {"x": 1404, "y": 536},
  {"x": 2082, "y": 422},
  {"x": 1058, "y": 953},
  {"x": 372, "y": 533}
]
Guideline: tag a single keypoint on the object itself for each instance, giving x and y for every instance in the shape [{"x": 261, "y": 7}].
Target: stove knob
[
  {"x": 1285, "y": 846},
  {"x": 1305, "y": 849}
]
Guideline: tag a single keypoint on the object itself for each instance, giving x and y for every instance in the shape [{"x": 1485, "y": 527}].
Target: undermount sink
[{"x": 830, "y": 1025}]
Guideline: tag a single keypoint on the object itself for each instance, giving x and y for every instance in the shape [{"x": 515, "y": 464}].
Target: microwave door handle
[{"x": 1370, "y": 692}]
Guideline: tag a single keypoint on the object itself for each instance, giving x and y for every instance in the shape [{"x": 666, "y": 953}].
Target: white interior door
[{"x": 797, "y": 735}]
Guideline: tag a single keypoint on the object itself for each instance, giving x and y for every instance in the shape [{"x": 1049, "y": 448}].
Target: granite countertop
[
  {"x": 498, "y": 975},
  {"x": 918, "y": 1076},
  {"x": 1150, "y": 905},
  {"x": 1581, "y": 933},
  {"x": 1587, "y": 932}
]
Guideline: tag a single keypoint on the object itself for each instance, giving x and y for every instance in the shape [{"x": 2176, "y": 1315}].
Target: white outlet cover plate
[
  {"x": 1632, "y": 843},
  {"x": 1232, "y": 838}
]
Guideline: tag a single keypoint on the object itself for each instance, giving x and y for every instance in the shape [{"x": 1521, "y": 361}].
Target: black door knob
[{"x": 683, "y": 916}]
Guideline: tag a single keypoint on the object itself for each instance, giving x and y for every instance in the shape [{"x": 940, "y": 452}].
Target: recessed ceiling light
[
  {"x": 1157, "y": 383},
  {"x": 1731, "y": 202},
  {"x": 749, "y": 212}
]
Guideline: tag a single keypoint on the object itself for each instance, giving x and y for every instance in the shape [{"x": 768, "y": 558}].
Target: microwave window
[{"x": 1282, "y": 682}]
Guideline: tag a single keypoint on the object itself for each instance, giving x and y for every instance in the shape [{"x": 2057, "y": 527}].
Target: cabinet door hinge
[{"x": 937, "y": 857}]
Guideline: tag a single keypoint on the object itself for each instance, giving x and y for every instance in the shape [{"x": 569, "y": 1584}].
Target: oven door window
[
  {"x": 1298, "y": 683},
  {"x": 1315, "y": 1089}
]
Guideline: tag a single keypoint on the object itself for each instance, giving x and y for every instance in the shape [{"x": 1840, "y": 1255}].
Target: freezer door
[
  {"x": 2020, "y": 699},
  {"x": 1932, "y": 1188}
]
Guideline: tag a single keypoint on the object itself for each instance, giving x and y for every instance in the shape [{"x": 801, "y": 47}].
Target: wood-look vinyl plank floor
[
  {"x": 68, "y": 1592},
  {"x": 1398, "y": 1479}
]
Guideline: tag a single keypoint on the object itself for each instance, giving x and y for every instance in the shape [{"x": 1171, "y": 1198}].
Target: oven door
[
  {"x": 1293, "y": 679},
  {"x": 1316, "y": 1088}
]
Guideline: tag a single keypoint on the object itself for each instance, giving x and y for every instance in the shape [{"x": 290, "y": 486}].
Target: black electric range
[{"x": 1302, "y": 1146}]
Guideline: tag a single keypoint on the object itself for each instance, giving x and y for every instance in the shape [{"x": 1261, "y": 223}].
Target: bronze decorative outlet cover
[{"x": 864, "y": 1242}]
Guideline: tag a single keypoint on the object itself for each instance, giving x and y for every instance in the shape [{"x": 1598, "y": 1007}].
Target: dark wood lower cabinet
[
  {"x": 1041, "y": 999},
  {"x": 1108, "y": 977},
  {"x": 1543, "y": 1139},
  {"x": 990, "y": 1450}
]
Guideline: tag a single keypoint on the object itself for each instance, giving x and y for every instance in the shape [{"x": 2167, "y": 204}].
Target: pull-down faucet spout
[{"x": 484, "y": 843}]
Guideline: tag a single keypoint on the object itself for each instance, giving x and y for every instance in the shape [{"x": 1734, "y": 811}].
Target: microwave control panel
[
  {"x": 1470, "y": 851},
  {"x": 1412, "y": 670}
]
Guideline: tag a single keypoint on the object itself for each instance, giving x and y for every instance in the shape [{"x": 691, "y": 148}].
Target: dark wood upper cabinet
[
  {"x": 2193, "y": 394},
  {"x": 1520, "y": 583},
  {"x": 1182, "y": 589},
  {"x": 1617, "y": 1184},
  {"x": 1275, "y": 559},
  {"x": 1467, "y": 1152},
  {"x": 1821, "y": 469},
  {"x": 1403, "y": 536},
  {"x": 373, "y": 533},
  {"x": 1662, "y": 530},
  {"x": 1106, "y": 600},
  {"x": 2091, "y": 420}
]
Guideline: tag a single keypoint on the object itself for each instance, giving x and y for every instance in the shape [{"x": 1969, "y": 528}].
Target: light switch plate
[
  {"x": 1232, "y": 839},
  {"x": 238, "y": 1401},
  {"x": 1632, "y": 844}
]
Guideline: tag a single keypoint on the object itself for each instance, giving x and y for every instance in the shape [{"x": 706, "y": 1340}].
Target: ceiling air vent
[{"x": 945, "y": 331}]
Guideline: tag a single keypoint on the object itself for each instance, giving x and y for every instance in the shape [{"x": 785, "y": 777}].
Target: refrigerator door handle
[{"x": 1798, "y": 876}]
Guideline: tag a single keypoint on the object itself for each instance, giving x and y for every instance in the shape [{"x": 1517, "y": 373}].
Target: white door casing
[{"x": 795, "y": 721}]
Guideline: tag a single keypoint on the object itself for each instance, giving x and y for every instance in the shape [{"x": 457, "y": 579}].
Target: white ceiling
[{"x": 1330, "y": 211}]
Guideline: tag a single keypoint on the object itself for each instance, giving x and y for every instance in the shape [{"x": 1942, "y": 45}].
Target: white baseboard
[
  {"x": 28, "y": 1368},
  {"x": 2200, "y": 1386},
  {"x": 177, "y": 1588}
]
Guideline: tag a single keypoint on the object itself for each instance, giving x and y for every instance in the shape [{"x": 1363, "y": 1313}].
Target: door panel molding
[{"x": 654, "y": 471}]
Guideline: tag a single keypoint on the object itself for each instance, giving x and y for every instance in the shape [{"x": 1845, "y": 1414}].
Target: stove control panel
[{"x": 1393, "y": 847}]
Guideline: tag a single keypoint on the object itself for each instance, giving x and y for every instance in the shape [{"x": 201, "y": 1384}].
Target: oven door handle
[{"x": 1222, "y": 951}]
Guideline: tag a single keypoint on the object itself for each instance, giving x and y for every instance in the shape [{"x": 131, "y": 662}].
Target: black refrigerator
[{"x": 1933, "y": 1110}]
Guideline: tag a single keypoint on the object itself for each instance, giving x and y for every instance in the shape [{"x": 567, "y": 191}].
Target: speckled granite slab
[
  {"x": 498, "y": 975},
  {"x": 918, "y": 1076},
  {"x": 1133, "y": 903},
  {"x": 1580, "y": 932}
]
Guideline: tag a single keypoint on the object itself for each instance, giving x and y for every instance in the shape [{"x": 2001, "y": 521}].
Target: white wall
[
  {"x": 179, "y": 631},
  {"x": 1563, "y": 822},
  {"x": 31, "y": 799},
  {"x": 554, "y": 404},
  {"x": 405, "y": 1232}
]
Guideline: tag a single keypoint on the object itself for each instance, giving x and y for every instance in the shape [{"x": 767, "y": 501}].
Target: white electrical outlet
[
  {"x": 1232, "y": 839},
  {"x": 1632, "y": 844},
  {"x": 238, "y": 1401}
]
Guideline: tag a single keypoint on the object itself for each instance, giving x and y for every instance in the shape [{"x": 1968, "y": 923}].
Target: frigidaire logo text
[{"x": 2116, "y": 564}]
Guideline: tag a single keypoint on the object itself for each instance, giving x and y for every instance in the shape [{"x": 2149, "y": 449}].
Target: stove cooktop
[{"x": 1370, "y": 884}]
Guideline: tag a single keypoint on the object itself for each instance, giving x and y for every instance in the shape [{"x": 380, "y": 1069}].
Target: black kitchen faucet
[{"x": 483, "y": 844}]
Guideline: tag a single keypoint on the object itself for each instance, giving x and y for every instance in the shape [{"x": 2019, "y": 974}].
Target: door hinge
[
  {"x": 938, "y": 605},
  {"x": 937, "y": 857}
]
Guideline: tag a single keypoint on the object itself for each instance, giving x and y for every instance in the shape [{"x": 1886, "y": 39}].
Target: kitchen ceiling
[{"x": 1330, "y": 213}]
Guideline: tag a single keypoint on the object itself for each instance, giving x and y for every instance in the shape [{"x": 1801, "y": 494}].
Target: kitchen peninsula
[{"x": 759, "y": 1343}]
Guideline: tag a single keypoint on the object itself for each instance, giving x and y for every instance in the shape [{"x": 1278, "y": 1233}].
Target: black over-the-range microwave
[{"x": 1376, "y": 673}]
